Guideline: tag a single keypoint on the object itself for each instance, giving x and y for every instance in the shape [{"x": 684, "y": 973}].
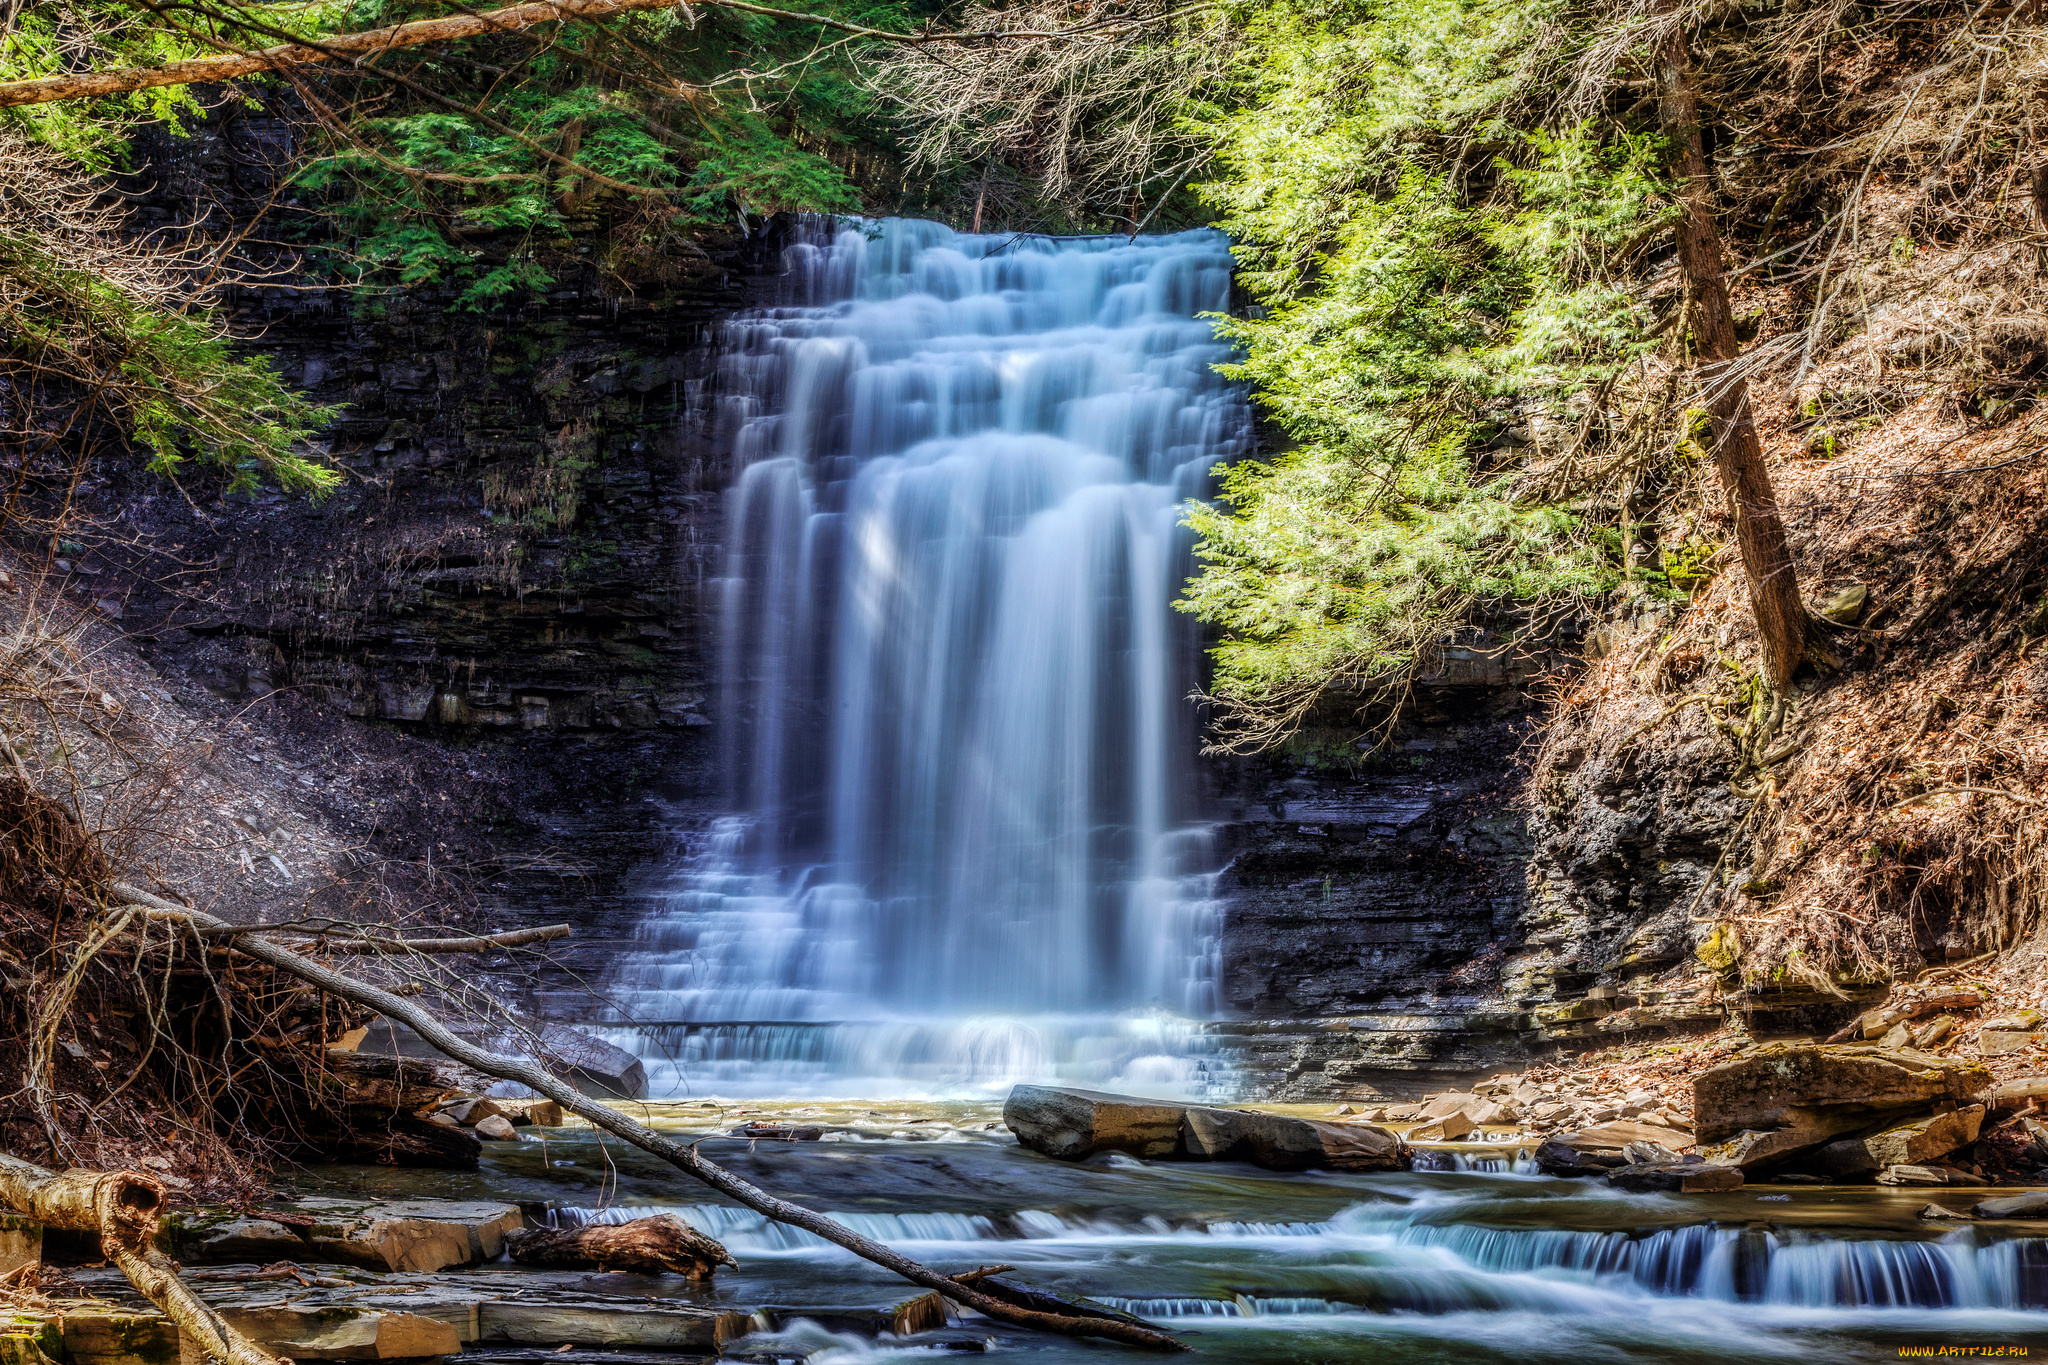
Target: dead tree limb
[
  {"x": 1781, "y": 619},
  {"x": 683, "y": 1157},
  {"x": 124, "y": 1209},
  {"x": 358, "y": 47},
  {"x": 359, "y": 941},
  {"x": 647, "y": 1246}
]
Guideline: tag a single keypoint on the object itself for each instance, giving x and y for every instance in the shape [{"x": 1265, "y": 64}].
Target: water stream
[
  {"x": 963, "y": 847},
  {"x": 1460, "y": 1267}
]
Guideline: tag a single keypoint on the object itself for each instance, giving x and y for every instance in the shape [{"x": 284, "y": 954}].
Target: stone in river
[
  {"x": 778, "y": 1132},
  {"x": 592, "y": 1065},
  {"x": 1278, "y": 1143},
  {"x": 497, "y": 1128},
  {"x": 1448, "y": 1128},
  {"x": 420, "y": 1235},
  {"x": 1678, "y": 1177},
  {"x": 1912, "y": 1143},
  {"x": 534, "y": 1113},
  {"x": 1073, "y": 1124},
  {"x": 1563, "y": 1157},
  {"x": 2031, "y": 1205}
]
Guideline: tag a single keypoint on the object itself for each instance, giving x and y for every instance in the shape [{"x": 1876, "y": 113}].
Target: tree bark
[
  {"x": 1738, "y": 454},
  {"x": 124, "y": 1209},
  {"x": 645, "y": 1246},
  {"x": 682, "y": 1156}
]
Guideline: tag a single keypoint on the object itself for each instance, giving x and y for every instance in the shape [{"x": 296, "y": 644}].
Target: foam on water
[
  {"x": 1414, "y": 1258},
  {"x": 963, "y": 849}
]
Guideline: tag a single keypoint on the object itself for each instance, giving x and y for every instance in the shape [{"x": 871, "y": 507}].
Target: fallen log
[
  {"x": 363, "y": 942},
  {"x": 680, "y": 1155},
  {"x": 645, "y": 1246},
  {"x": 124, "y": 1208}
]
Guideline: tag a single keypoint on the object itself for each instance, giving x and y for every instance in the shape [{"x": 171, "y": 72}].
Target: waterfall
[{"x": 962, "y": 848}]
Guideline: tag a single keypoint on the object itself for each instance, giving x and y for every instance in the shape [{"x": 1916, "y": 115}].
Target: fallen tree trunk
[
  {"x": 124, "y": 1209},
  {"x": 645, "y": 1246},
  {"x": 680, "y": 1155},
  {"x": 357, "y": 941}
]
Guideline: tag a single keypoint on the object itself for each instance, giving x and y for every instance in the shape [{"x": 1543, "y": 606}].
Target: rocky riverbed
[{"x": 1472, "y": 1256}]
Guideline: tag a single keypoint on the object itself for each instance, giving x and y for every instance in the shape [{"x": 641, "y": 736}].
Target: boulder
[
  {"x": 1362, "y": 1147},
  {"x": 1755, "y": 1090},
  {"x": 1559, "y": 1156},
  {"x": 497, "y": 1128},
  {"x": 1482, "y": 1110},
  {"x": 1680, "y": 1177},
  {"x": 1449, "y": 1128},
  {"x": 2017, "y": 1094},
  {"x": 531, "y": 1113},
  {"x": 2031, "y": 1205},
  {"x": 1777, "y": 1101},
  {"x": 471, "y": 1110},
  {"x": 1916, "y": 1175},
  {"x": 1915, "y": 1142},
  {"x": 1073, "y": 1124},
  {"x": 1278, "y": 1143},
  {"x": 592, "y": 1065}
]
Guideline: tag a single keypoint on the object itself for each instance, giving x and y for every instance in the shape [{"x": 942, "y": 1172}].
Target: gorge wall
[{"x": 487, "y": 656}]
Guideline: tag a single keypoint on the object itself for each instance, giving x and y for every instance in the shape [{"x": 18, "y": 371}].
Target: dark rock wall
[{"x": 488, "y": 650}]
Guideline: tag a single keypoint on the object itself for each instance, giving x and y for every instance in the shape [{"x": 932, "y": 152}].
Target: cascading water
[{"x": 963, "y": 850}]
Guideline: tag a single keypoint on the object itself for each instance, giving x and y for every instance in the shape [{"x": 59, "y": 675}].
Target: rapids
[
  {"x": 1465, "y": 1266},
  {"x": 962, "y": 846}
]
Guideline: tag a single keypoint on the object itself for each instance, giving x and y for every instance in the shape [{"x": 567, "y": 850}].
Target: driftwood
[
  {"x": 645, "y": 1246},
  {"x": 680, "y": 1155},
  {"x": 124, "y": 1208}
]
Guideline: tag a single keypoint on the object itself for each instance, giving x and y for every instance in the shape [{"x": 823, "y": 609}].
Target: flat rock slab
[
  {"x": 1770, "y": 1087},
  {"x": 2033, "y": 1204},
  {"x": 325, "y": 1313},
  {"x": 1075, "y": 1124},
  {"x": 1915, "y": 1142},
  {"x": 1677, "y": 1178},
  {"x": 420, "y": 1235}
]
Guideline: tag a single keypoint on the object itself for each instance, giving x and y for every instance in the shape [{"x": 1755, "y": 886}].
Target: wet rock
[
  {"x": 1679, "y": 1177},
  {"x": 531, "y": 1113},
  {"x": 1278, "y": 1143},
  {"x": 2031, "y": 1205},
  {"x": 419, "y": 1235},
  {"x": 1935, "y": 1212},
  {"x": 471, "y": 1110},
  {"x": 1916, "y": 1175},
  {"x": 1558, "y": 1156},
  {"x": 778, "y": 1132},
  {"x": 1777, "y": 1101},
  {"x": 497, "y": 1128},
  {"x": 1915, "y": 1142},
  {"x": 1073, "y": 1124},
  {"x": 592, "y": 1065}
]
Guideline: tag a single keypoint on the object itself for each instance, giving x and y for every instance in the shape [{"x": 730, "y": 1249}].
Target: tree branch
[
  {"x": 509, "y": 19},
  {"x": 683, "y": 1157}
]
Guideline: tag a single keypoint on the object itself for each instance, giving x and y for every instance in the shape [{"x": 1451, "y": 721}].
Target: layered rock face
[{"x": 487, "y": 650}]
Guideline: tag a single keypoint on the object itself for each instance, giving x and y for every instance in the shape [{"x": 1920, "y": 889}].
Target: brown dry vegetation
[{"x": 1884, "y": 163}]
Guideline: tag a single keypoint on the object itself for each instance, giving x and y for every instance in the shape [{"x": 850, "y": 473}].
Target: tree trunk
[
  {"x": 1738, "y": 455},
  {"x": 682, "y": 1156},
  {"x": 124, "y": 1209},
  {"x": 645, "y": 1246}
]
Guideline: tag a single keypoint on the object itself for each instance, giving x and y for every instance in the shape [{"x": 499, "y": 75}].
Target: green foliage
[
  {"x": 469, "y": 187},
  {"x": 168, "y": 379},
  {"x": 1410, "y": 287}
]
